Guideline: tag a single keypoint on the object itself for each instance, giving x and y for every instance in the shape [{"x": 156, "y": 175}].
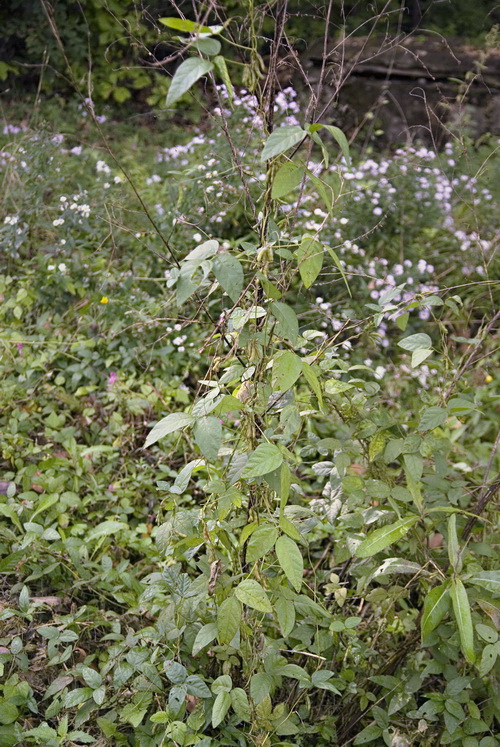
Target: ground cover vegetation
[{"x": 249, "y": 424}]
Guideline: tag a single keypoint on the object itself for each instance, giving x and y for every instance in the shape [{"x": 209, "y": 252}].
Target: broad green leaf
[
  {"x": 260, "y": 686},
  {"x": 196, "y": 686},
  {"x": 436, "y": 606},
  {"x": 402, "y": 321},
  {"x": 201, "y": 252},
  {"x": 220, "y": 64},
  {"x": 222, "y": 684},
  {"x": 419, "y": 356},
  {"x": 282, "y": 139},
  {"x": 377, "y": 445},
  {"x": 368, "y": 734},
  {"x": 105, "y": 529},
  {"x": 432, "y": 417},
  {"x": 266, "y": 458},
  {"x": 313, "y": 382},
  {"x": 487, "y": 633},
  {"x": 384, "y": 536},
  {"x": 187, "y": 27},
  {"x": 240, "y": 704},
  {"x": 289, "y": 528},
  {"x": 288, "y": 177},
  {"x": 220, "y": 708},
  {"x": 341, "y": 139},
  {"x": 287, "y": 368},
  {"x": 92, "y": 678},
  {"x": 251, "y": 593},
  {"x": 453, "y": 546},
  {"x": 415, "y": 342},
  {"x": 288, "y": 324},
  {"x": 208, "y": 436},
  {"x": 261, "y": 542},
  {"x": 414, "y": 466},
  {"x": 489, "y": 580},
  {"x": 207, "y": 46},
  {"x": 310, "y": 257},
  {"x": 228, "y": 620},
  {"x": 204, "y": 637},
  {"x": 335, "y": 386},
  {"x": 488, "y": 658},
  {"x": 229, "y": 274},
  {"x": 285, "y": 612},
  {"x": 461, "y": 609},
  {"x": 171, "y": 423},
  {"x": 185, "y": 76},
  {"x": 291, "y": 560},
  {"x": 293, "y": 671}
]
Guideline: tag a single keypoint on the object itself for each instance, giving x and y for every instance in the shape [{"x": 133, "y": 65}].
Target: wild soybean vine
[{"x": 264, "y": 649}]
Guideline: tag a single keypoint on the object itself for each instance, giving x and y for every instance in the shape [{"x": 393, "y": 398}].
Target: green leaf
[
  {"x": 325, "y": 191},
  {"x": 414, "y": 466},
  {"x": 188, "y": 27},
  {"x": 229, "y": 273},
  {"x": 341, "y": 139},
  {"x": 228, "y": 620},
  {"x": 310, "y": 256},
  {"x": 222, "y": 684},
  {"x": 208, "y": 436},
  {"x": 288, "y": 177},
  {"x": 197, "y": 687},
  {"x": 313, "y": 382},
  {"x": 260, "y": 686},
  {"x": 105, "y": 529},
  {"x": 461, "y": 609},
  {"x": 432, "y": 417},
  {"x": 488, "y": 658},
  {"x": 206, "y": 46},
  {"x": 419, "y": 356},
  {"x": 402, "y": 321},
  {"x": 251, "y": 593},
  {"x": 415, "y": 342},
  {"x": 453, "y": 546},
  {"x": 369, "y": 734},
  {"x": 339, "y": 266},
  {"x": 220, "y": 64},
  {"x": 171, "y": 423},
  {"x": 281, "y": 140},
  {"x": 240, "y": 704},
  {"x": 204, "y": 637},
  {"x": 185, "y": 76},
  {"x": 288, "y": 324},
  {"x": 335, "y": 386},
  {"x": 489, "y": 580},
  {"x": 487, "y": 633},
  {"x": 384, "y": 536},
  {"x": 92, "y": 678},
  {"x": 266, "y": 458},
  {"x": 287, "y": 368},
  {"x": 436, "y": 606},
  {"x": 220, "y": 708},
  {"x": 291, "y": 560},
  {"x": 8, "y": 712},
  {"x": 285, "y": 612},
  {"x": 261, "y": 542}
]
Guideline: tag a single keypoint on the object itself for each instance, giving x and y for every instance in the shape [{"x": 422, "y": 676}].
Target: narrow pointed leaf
[
  {"x": 461, "y": 609},
  {"x": 385, "y": 536},
  {"x": 436, "y": 606},
  {"x": 291, "y": 560},
  {"x": 171, "y": 423}
]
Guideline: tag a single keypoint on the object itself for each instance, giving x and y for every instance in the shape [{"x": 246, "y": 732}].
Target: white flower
[
  {"x": 58, "y": 222},
  {"x": 197, "y": 237},
  {"x": 102, "y": 167},
  {"x": 61, "y": 267}
]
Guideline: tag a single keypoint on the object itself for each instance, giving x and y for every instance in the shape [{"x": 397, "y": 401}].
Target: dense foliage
[
  {"x": 248, "y": 417},
  {"x": 112, "y": 46}
]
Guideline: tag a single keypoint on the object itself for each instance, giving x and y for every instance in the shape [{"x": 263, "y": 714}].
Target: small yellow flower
[
  {"x": 104, "y": 299},
  {"x": 489, "y": 379}
]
